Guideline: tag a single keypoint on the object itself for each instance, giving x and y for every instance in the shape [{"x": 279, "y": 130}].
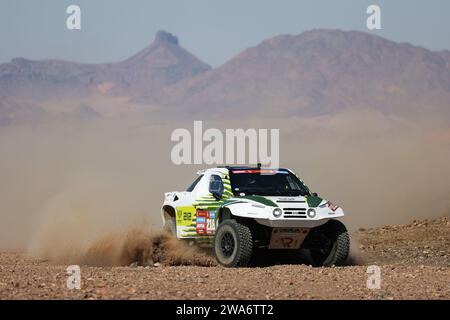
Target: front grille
[{"x": 294, "y": 213}]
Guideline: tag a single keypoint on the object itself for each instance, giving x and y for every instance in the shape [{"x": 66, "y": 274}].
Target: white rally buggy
[{"x": 240, "y": 209}]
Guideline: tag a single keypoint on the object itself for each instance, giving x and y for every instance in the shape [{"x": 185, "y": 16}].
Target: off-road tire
[
  {"x": 170, "y": 226},
  {"x": 340, "y": 245},
  {"x": 241, "y": 236}
]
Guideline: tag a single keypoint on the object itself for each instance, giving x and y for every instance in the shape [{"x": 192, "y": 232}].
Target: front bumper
[
  {"x": 290, "y": 223},
  {"x": 294, "y": 214}
]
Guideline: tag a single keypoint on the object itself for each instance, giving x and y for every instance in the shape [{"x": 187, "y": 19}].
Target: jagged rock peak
[{"x": 165, "y": 37}]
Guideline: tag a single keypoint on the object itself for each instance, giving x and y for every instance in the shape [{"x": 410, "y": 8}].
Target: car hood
[{"x": 283, "y": 202}]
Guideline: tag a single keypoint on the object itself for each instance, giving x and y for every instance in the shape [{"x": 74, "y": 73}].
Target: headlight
[
  {"x": 277, "y": 212},
  {"x": 311, "y": 213}
]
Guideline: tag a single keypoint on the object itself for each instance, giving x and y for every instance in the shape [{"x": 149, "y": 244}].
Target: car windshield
[
  {"x": 192, "y": 186},
  {"x": 267, "y": 183}
]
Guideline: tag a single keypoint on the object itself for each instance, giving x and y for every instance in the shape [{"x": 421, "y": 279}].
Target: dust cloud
[
  {"x": 137, "y": 247},
  {"x": 90, "y": 191},
  {"x": 381, "y": 170}
]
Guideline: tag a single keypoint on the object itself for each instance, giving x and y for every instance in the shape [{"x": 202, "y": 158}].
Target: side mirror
[
  {"x": 216, "y": 195},
  {"x": 216, "y": 187}
]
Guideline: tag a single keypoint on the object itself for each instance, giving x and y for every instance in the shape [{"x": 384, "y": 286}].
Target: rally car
[{"x": 240, "y": 209}]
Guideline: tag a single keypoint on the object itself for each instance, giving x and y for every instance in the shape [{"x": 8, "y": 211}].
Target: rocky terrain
[{"x": 414, "y": 261}]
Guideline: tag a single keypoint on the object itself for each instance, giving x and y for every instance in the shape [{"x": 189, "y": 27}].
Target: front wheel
[
  {"x": 233, "y": 244},
  {"x": 334, "y": 244}
]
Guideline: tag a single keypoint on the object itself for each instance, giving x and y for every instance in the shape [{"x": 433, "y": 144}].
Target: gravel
[{"x": 414, "y": 261}]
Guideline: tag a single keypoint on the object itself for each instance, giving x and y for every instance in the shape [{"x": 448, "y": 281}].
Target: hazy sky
[{"x": 214, "y": 30}]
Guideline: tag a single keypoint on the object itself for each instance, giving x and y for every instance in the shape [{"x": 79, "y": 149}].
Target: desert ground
[{"x": 414, "y": 261}]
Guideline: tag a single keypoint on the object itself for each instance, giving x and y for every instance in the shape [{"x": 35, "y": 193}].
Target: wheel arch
[
  {"x": 167, "y": 212},
  {"x": 227, "y": 213},
  {"x": 224, "y": 213}
]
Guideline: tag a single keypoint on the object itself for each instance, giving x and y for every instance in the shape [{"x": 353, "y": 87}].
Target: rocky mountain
[
  {"x": 322, "y": 72},
  {"x": 162, "y": 63},
  {"x": 314, "y": 73}
]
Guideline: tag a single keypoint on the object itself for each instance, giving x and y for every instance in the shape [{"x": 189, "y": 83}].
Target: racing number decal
[
  {"x": 185, "y": 216},
  {"x": 210, "y": 226},
  {"x": 205, "y": 224}
]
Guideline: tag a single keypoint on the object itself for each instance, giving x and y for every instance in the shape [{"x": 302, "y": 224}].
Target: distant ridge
[
  {"x": 318, "y": 72},
  {"x": 322, "y": 72},
  {"x": 162, "y": 63}
]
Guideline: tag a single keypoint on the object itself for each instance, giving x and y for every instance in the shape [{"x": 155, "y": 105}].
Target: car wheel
[
  {"x": 233, "y": 244},
  {"x": 335, "y": 247}
]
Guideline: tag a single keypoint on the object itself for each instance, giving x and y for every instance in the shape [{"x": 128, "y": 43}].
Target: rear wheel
[
  {"x": 334, "y": 244},
  {"x": 233, "y": 244}
]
